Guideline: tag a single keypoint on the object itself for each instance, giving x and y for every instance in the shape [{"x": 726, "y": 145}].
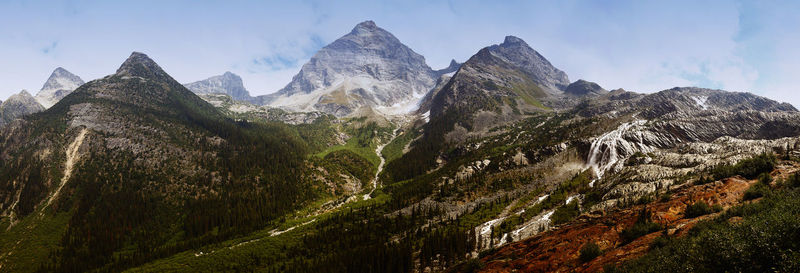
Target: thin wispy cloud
[{"x": 644, "y": 46}]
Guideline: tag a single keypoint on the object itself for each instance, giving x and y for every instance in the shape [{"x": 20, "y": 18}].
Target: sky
[{"x": 642, "y": 46}]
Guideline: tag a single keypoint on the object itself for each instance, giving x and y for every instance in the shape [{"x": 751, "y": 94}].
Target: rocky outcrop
[
  {"x": 528, "y": 61},
  {"x": 497, "y": 85},
  {"x": 368, "y": 67},
  {"x": 18, "y": 106},
  {"x": 582, "y": 88},
  {"x": 60, "y": 83},
  {"x": 558, "y": 250},
  {"x": 450, "y": 69},
  {"x": 250, "y": 111},
  {"x": 228, "y": 83}
]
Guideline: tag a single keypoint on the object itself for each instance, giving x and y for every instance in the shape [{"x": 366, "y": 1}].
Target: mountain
[
  {"x": 368, "y": 67},
  {"x": 453, "y": 67},
  {"x": 136, "y": 159},
  {"x": 18, "y": 106},
  {"x": 504, "y": 166},
  {"x": 584, "y": 88},
  {"x": 228, "y": 83},
  {"x": 498, "y": 84},
  {"x": 60, "y": 83}
]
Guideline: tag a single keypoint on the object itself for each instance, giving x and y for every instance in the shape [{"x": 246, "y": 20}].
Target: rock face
[
  {"x": 500, "y": 83},
  {"x": 452, "y": 68},
  {"x": 686, "y": 115},
  {"x": 58, "y": 86},
  {"x": 368, "y": 67},
  {"x": 18, "y": 106},
  {"x": 518, "y": 54},
  {"x": 250, "y": 111},
  {"x": 228, "y": 83},
  {"x": 584, "y": 88}
]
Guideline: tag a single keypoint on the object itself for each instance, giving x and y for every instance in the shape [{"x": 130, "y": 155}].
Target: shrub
[
  {"x": 759, "y": 189},
  {"x": 703, "y": 180},
  {"x": 793, "y": 180},
  {"x": 473, "y": 265},
  {"x": 697, "y": 209},
  {"x": 660, "y": 242},
  {"x": 565, "y": 213},
  {"x": 643, "y": 226},
  {"x": 666, "y": 197},
  {"x": 589, "y": 251},
  {"x": 749, "y": 168},
  {"x": 764, "y": 240}
]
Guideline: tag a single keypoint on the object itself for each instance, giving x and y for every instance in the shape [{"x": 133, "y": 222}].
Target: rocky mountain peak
[
  {"x": 510, "y": 41},
  {"x": 62, "y": 79},
  {"x": 584, "y": 88},
  {"x": 366, "y": 27},
  {"x": 17, "y": 106},
  {"x": 523, "y": 58},
  {"x": 453, "y": 67},
  {"x": 140, "y": 65},
  {"x": 60, "y": 83},
  {"x": 227, "y": 83},
  {"x": 368, "y": 67}
]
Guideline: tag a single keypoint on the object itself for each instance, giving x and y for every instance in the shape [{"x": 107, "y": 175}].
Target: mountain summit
[
  {"x": 368, "y": 67},
  {"x": 525, "y": 59},
  {"x": 18, "y": 106},
  {"x": 60, "y": 83},
  {"x": 228, "y": 83},
  {"x": 140, "y": 65},
  {"x": 501, "y": 83}
]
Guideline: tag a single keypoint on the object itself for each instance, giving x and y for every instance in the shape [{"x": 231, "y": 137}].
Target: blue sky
[{"x": 643, "y": 46}]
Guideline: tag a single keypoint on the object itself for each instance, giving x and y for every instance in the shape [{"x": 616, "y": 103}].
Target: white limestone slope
[
  {"x": 610, "y": 150},
  {"x": 72, "y": 158}
]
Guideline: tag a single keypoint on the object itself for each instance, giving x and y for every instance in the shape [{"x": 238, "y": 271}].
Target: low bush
[
  {"x": 643, "y": 226},
  {"x": 697, "y": 209},
  {"x": 764, "y": 240},
  {"x": 565, "y": 213},
  {"x": 589, "y": 251},
  {"x": 749, "y": 168}
]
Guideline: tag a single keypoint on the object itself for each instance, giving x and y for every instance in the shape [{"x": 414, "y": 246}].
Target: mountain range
[{"x": 371, "y": 161}]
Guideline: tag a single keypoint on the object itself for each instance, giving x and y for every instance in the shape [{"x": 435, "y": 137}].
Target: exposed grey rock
[
  {"x": 367, "y": 67},
  {"x": 453, "y": 67},
  {"x": 499, "y": 84},
  {"x": 18, "y": 106},
  {"x": 515, "y": 51},
  {"x": 140, "y": 65},
  {"x": 584, "y": 88},
  {"x": 251, "y": 111},
  {"x": 228, "y": 83},
  {"x": 60, "y": 83}
]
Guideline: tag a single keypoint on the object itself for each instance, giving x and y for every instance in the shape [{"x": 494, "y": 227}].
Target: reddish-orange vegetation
[{"x": 558, "y": 250}]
